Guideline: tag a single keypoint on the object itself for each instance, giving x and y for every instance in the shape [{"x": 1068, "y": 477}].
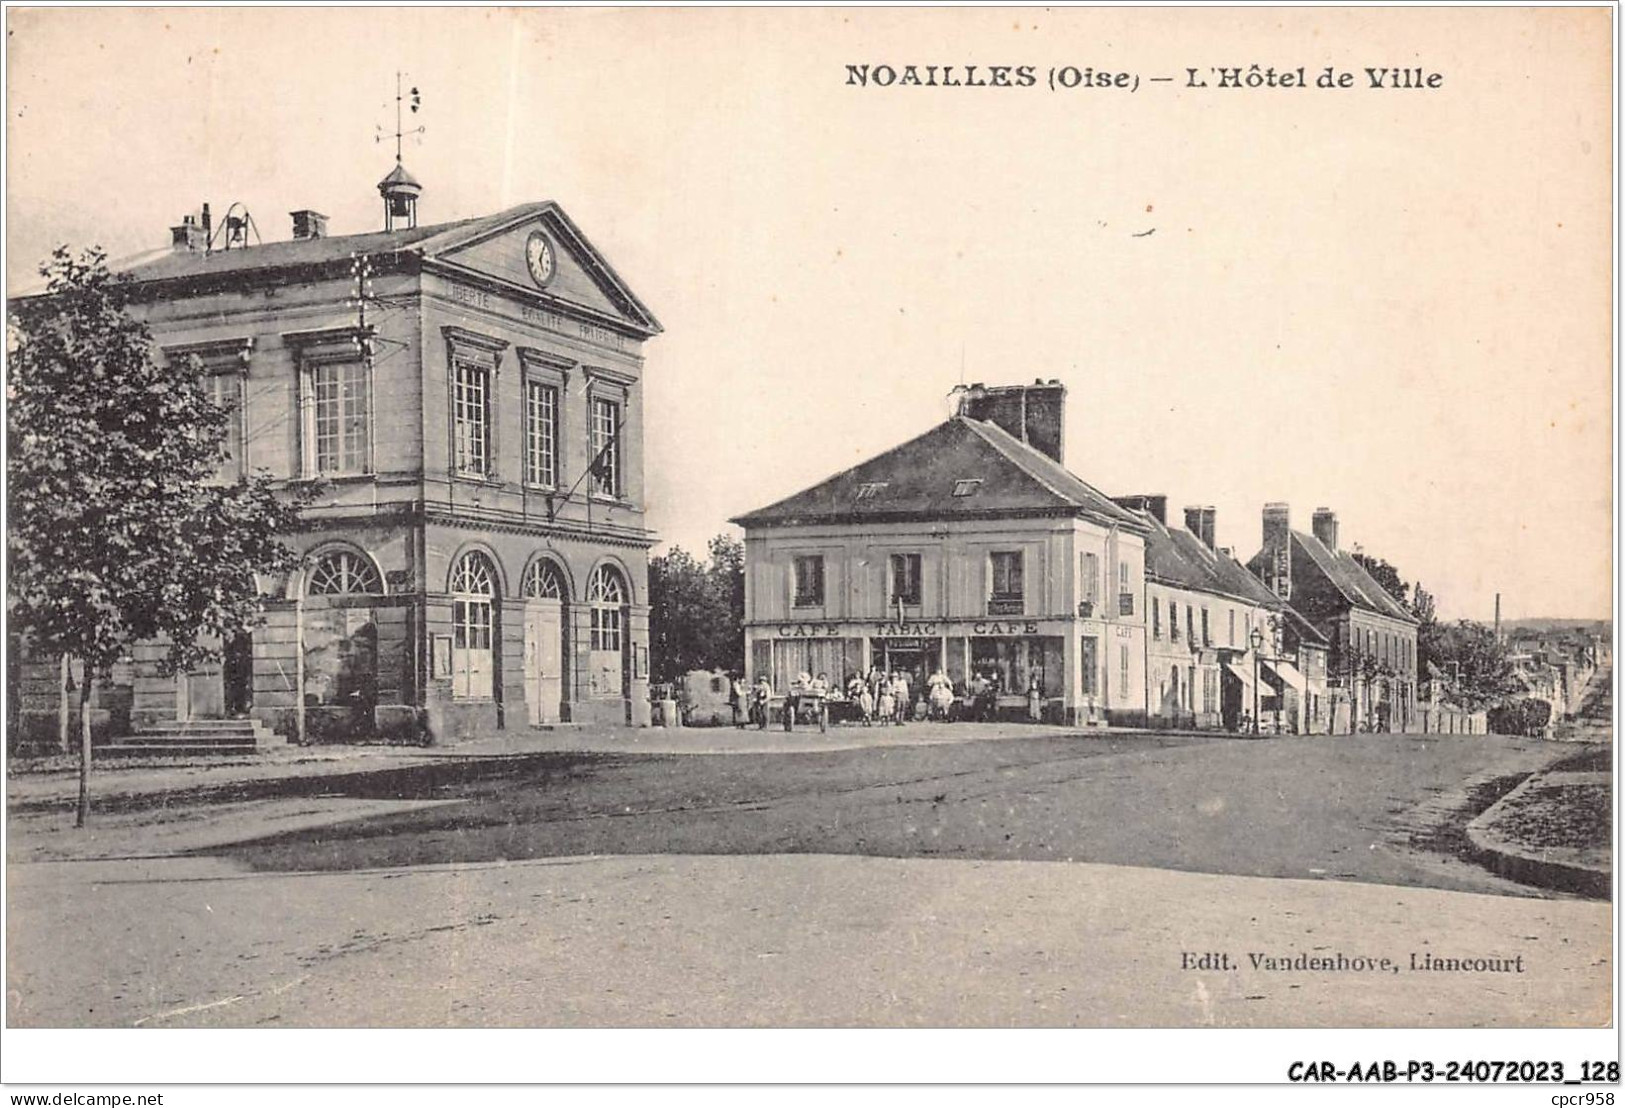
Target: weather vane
[{"x": 413, "y": 100}]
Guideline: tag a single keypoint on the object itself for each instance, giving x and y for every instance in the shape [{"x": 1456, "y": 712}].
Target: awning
[
  {"x": 1288, "y": 672},
  {"x": 1243, "y": 674}
]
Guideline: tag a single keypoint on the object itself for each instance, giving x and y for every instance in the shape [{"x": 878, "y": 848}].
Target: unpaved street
[{"x": 1020, "y": 881}]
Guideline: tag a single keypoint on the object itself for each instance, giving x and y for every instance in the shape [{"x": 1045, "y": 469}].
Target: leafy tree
[
  {"x": 1474, "y": 665},
  {"x": 1385, "y": 574},
  {"x": 119, "y": 530},
  {"x": 697, "y": 610}
]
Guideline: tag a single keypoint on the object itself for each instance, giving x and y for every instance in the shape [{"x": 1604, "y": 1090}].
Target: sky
[{"x": 1394, "y": 303}]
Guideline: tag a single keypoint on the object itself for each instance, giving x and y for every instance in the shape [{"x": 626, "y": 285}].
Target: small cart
[{"x": 809, "y": 707}]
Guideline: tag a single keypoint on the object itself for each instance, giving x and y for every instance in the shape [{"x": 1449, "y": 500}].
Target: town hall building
[{"x": 467, "y": 399}]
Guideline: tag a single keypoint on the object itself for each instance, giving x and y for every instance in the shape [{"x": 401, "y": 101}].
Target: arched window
[
  {"x": 542, "y": 581},
  {"x": 473, "y": 588},
  {"x": 343, "y": 573},
  {"x": 606, "y": 596}
]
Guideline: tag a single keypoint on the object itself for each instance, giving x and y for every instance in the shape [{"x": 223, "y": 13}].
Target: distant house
[
  {"x": 970, "y": 548},
  {"x": 1372, "y": 636}
]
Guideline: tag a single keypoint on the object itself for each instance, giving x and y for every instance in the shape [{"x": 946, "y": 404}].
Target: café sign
[{"x": 907, "y": 630}]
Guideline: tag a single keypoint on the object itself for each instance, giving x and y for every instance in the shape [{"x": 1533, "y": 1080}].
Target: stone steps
[{"x": 196, "y": 737}]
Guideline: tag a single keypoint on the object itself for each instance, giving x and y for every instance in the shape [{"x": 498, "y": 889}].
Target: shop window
[
  {"x": 809, "y": 573},
  {"x": 1091, "y": 663},
  {"x": 905, "y": 578}
]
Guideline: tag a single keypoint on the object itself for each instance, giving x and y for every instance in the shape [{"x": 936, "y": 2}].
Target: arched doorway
[
  {"x": 546, "y": 642},
  {"x": 474, "y": 600},
  {"x": 607, "y": 596},
  {"x": 340, "y": 642}
]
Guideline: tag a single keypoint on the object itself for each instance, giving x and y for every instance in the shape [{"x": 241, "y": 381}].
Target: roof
[
  {"x": 1350, "y": 578},
  {"x": 917, "y": 479},
  {"x": 305, "y": 252},
  {"x": 1177, "y": 557},
  {"x": 399, "y": 176},
  {"x": 267, "y": 261}
]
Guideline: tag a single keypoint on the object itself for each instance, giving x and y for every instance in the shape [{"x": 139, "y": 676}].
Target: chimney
[
  {"x": 1157, "y": 506},
  {"x": 308, "y": 224},
  {"x": 1277, "y": 553},
  {"x": 1199, "y": 521},
  {"x": 1035, "y": 413},
  {"x": 188, "y": 235},
  {"x": 1325, "y": 527}
]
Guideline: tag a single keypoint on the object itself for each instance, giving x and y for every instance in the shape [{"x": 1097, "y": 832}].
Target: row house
[
  {"x": 970, "y": 549},
  {"x": 1222, "y": 650},
  {"x": 1371, "y": 636},
  {"x": 467, "y": 397}
]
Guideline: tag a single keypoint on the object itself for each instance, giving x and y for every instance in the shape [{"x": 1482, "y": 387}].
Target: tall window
[
  {"x": 1232, "y": 627},
  {"x": 606, "y": 447},
  {"x": 1190, "y": 624},
  {"x": 341, "y": 426},
  {"x": 541, "y": 434},
  {"x": 1122, "y": 670},
  {"x": 1156, "y": 618},
  {"x": 1173, "y": 622},
  {"x": 606, "y": 597},
  {"x": 471, "y": 417},
  {"x": 473, "y": 589},
  {"x": 1007, "y": 575},
  {"x": 1207, "y": 639},
  {"x": 226, "y": 391},
  {"x": 809, "y": 572},
  {"x": 1089, "y": 577},
  {"x": 905, "y": 578}
]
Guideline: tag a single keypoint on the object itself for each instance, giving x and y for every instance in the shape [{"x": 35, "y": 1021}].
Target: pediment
[{"x": 581, "y": 277}]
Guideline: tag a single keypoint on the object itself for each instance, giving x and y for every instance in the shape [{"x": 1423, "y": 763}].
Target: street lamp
[{"x": 1257, "y": 639}]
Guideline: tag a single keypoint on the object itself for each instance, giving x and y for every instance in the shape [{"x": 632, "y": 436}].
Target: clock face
[{"x": 539, "y": 258}]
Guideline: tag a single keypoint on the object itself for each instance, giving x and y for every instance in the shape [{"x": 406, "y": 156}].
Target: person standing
[
  {"x": 738, "y": 699},
  {"x": 900, "y": 695},
  {"x": 1035, "y": 699},
  {"x": 760, "y": 700}
]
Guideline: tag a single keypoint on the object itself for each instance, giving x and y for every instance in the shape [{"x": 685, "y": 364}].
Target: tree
[
  {"x": 1386, "y": 575},
  {"x": 697, "y": 611},
  {"x": 119, "y": 531}
]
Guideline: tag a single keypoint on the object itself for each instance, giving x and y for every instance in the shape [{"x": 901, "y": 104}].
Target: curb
[{"x": 1501, "y": 857}]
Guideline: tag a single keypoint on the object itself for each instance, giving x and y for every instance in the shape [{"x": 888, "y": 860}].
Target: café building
[{"x": 970, "y": 548}]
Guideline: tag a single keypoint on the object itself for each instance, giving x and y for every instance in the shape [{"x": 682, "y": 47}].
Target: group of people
[{"x": 888, "y": 697}]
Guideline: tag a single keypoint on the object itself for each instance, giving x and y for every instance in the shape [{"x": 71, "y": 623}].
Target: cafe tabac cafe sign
[{"x": 917, "y": 629}]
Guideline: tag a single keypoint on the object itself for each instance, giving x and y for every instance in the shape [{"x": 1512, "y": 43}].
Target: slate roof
[
  {"x": 1177, "y": 557},
  {"x": 1350, "y": 578},
  {"x": 306, "y": 252},
  {"x": 917, "y": 479}
]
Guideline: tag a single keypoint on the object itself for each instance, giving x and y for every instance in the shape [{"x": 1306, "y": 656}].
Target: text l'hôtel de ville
[{"x": 885, "y": 75}]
